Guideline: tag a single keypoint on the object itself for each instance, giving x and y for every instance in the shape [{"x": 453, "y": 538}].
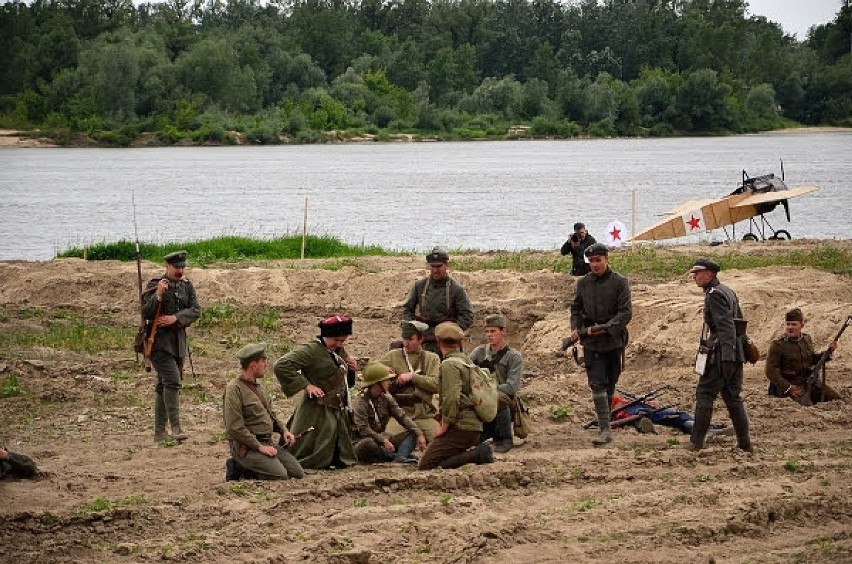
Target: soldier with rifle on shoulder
[
  {"x": 170, "y": 305},
  {"x": 438, "y": 298}
]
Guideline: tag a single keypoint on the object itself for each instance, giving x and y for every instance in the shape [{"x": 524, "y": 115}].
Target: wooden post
[
  {"x": 632, "y": 215},
  {"x": 304, "y": 227}
]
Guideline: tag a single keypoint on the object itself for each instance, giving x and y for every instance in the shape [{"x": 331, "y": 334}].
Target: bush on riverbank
[{"x": 228, "y": 249}]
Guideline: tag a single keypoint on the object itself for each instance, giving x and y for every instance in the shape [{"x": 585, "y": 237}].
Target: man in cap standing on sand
[
  {"x": 438, "y": 298},
  {"x": 456, "y": 441},
  {"x": 250, "y": 422},
  {"x": 373, "y": 407},
  {"x": 170, "y": 302},
  {"x": 600, "y": 312},
  {"x": 723, "y": 371},
  {"x": 416, "y": 380}
]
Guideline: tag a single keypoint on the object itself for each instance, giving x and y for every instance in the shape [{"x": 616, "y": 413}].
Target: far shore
[{"x": 20, "y": 139}]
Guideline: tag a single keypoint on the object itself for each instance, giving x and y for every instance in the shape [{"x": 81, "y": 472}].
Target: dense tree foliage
[{"x": 306, "y": 70}]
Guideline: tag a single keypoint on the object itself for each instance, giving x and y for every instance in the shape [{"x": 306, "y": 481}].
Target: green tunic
[
  {"x": 245, "y": 414},
  {"x": 312, "y": 363},
  {"x": 454, "y": 398},
  {"x": 416, "y": 397},
  {"x": 434, "y": 301},
  {"x": 179, "y": 300}
]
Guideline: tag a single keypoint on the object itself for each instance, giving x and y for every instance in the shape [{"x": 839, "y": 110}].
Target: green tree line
[{"x": 310, "y": 70}]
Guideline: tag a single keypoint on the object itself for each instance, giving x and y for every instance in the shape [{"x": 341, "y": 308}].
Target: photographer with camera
[{"x": 575, "y": 246}]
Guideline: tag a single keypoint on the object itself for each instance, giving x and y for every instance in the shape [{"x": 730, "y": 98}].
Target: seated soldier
[
  {"x": 668, "y": 417},
  {"x": 791, "y": 359},
  {"x": 507, "y": 365},
  {"x": 373, "y": 407},
  {"x": 250, "y": 422},
  {"x": 16, "y": 465},
  {"x": 416, "y": 380}
]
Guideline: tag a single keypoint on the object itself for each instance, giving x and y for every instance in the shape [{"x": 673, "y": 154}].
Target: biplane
[{"x": 754, "y": 198}]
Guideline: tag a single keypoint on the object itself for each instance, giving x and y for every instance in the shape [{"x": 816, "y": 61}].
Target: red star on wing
[
  {"x": 615, "y": 234},
  {"x": 693, "y": 222}
]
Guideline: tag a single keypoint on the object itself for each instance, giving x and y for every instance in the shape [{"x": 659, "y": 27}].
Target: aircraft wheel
[
  {"x": 782, "y": 234},
  {"x": 749, "y": 237}
]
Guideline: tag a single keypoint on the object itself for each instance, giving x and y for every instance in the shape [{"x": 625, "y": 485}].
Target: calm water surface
[{"x": 487, "y": 195}]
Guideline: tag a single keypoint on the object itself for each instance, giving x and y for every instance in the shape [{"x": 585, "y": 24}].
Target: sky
[{"x": 796, "y": 16}]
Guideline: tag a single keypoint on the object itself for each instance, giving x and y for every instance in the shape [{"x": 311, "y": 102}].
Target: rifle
[
  {"x": 819, "y": 368},
  {"x": 633, "y": 401},
  {"x": 141, "y": 344},
  {"x": 282, "y": 443},
  {"x": 149, "y": 342}
]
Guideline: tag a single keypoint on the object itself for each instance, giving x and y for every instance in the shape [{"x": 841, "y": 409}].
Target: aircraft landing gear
[
  {"x": 781, "y": 235},
  {"x": 749, "y": 237}
]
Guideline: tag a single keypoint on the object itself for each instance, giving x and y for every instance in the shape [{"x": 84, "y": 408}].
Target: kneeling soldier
[
  {"x": 250, "y": 422},
  {"x": 373, "y": 408}
]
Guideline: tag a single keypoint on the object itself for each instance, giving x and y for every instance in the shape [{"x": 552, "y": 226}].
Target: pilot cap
[{"x": 704, "y": 264}]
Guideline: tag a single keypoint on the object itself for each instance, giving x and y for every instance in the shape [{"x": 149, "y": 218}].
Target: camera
[{"x": 575, "y": 238}]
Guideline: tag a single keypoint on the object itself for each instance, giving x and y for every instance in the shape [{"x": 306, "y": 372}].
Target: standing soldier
[
  {"x": 324, "y": 371},
  {"x": 576, "y": 246},
  {"x": 791, "y": 359},
  {"x": 373, "y": 408},
  {"x": 723, "y": 371},
  {"x": 416, "y": 380},
  {"x": 600, "y": 313},
  {"x": 508, "y": 364},
  {"x": 250, "y": 422},
  {"x": 169, "y": 302},
  {"x": 438, "y": 298},
  {"x": 456, "y": 441}
]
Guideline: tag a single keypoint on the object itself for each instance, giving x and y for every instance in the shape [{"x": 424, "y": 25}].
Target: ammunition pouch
[{"x": 333, "y": 401}]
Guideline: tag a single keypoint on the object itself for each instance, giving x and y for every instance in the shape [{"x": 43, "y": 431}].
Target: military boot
[
  {"x": 602, "y": 411},
  {"x": 160, "y": 418},
  {"x": 172, "y": 401},
  {"x": 484, "y": 454}
]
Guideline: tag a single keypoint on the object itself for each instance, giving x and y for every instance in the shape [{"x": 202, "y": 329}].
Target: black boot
[{"x": 233, "y": 470}]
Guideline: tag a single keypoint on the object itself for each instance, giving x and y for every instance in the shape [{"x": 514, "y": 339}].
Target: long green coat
[{"x": 312, "y": 363}]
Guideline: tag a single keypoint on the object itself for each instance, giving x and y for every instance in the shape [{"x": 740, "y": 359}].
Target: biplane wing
[{"x": 703, "y": 215}]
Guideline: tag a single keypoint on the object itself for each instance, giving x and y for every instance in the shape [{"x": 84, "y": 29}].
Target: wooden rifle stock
[
  {"x": 819, "y": 367},
  {"x": 149, "y": 342}
]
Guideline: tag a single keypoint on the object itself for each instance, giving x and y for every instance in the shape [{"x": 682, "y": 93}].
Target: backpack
[{"x": 483, "y": 391}]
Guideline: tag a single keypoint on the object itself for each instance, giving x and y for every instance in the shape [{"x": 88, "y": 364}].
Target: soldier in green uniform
[
  {"x": 791, "y": 359},
  {"x": 16, "y": 465},
  {"x": 250, "y": 422},
  {"x": 723, "y": 372},
  {"x": 455, "y": 442},
  {"x": 324, "y": 371},
  {"x": 508, "y": 364},
  {"x": 170, "y": 302},
  {"x": 416, "y": 381},
  {"x": 438, "y": 298},
  {"x": 373, "y": 407},
  {"x": 600, "y": 312}
]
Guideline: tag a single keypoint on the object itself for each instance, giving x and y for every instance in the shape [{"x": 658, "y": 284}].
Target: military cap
[
  {"x": 597, "y": 250},
  {"x": 437, "y": 255},
  {"x": 177, "y": 258},
  {"x": 449, "y": 331},
  {"x": 336, "y": 326},
  {"x": 795, "y": 314},
  {"x": 704, "y": 264},
  {"x": 579, "y": 225},
  {"x": 254, "y": 351},
  {"x": 410, "y": 328},
  {"x": 375, "y": 372},
  {"x": 497, "y": 320}
]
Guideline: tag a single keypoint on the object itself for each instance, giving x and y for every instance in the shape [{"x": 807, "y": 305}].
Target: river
[{"x": 408, "y": 196}]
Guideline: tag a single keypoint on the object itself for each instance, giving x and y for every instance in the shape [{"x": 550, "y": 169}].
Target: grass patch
[
  {"x": 560, "y": 412},
  {"x": 585, "y": 505},
  {"x": 102, "y": 504},
  {"x": 77, "y": 335},
  {"x": 229, "y": 249},
  {"x": 10, "y": 387}
]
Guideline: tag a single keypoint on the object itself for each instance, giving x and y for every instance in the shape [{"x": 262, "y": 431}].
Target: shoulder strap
[
  {"x": 265, "y": 405},
  {"x": 418, "y": 311}
]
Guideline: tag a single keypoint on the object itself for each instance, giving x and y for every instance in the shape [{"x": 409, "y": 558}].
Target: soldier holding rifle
[
  {"x": 170, "y": 305},
  {"x": 438, "y": 298},
  {"x": 791, "y": 360}
]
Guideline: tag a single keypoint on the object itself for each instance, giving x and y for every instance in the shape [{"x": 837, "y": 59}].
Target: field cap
[
  {"x": 375, "y": 372},
  {"x": 449, "y": 331},
  {"x": 177, "y": 258},
  {"x": 254, "y": 351},
  {"x": 497, "y": 320},
  {"x": 336, "y": 326},
  {"x": 437, "y": 256},
  {"x": 795, "y": 314},
  {"x": 410, "y": 328},
  {"x": 597, "y": 250},
  {"x": 704, "y": 264}
]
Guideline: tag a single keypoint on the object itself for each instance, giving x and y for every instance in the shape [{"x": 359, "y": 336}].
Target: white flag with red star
[
  {"x": 616, "y": 234},
  {"x": 693, "y": 222}
]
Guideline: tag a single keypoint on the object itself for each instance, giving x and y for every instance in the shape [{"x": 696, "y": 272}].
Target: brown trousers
[{"x": 450, "y": 450}]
